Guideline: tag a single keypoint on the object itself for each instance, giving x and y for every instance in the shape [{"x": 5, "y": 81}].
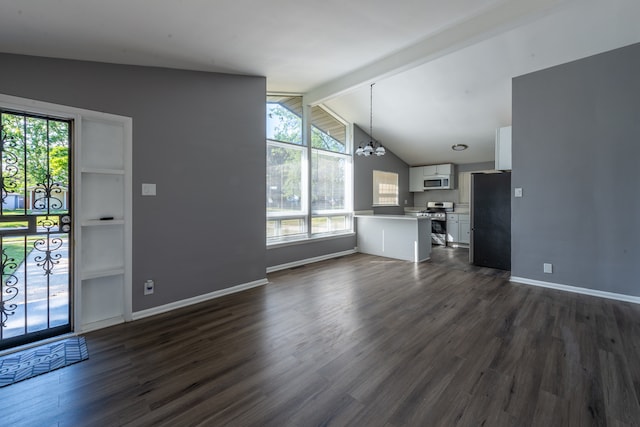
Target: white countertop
[
  {"x": 403, "y": 217},
  {"x": 461, "y": 211}
]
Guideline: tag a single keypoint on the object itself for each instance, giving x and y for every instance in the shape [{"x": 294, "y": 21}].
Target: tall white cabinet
[{"x": 102, "y": 220}]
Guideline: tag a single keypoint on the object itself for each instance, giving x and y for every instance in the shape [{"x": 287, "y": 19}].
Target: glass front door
[{"x": 35, "y": 227}]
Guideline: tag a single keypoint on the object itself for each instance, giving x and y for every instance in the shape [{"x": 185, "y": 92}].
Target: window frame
[
  {"x": 377, "y": 195},
  {"x": 310, "y": 215},
  {"x": 347, "y": 210}
]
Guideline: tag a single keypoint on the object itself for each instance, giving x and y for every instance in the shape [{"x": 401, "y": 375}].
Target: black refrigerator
[{"x": 490, "y": 244}]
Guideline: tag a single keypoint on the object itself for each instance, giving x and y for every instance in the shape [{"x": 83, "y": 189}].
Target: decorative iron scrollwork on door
[
  {"x": 35, "y": 220},
  {"x": 44, "y": 198},
  {"x": 9, "y": 181},
  {"x": 47, "y": 245},
  {"x": 10, "y": 164},
  {"x": 9, "y": 288}
]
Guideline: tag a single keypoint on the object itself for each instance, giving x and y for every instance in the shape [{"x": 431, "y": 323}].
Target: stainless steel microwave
[{"x": 438, "y": 183}]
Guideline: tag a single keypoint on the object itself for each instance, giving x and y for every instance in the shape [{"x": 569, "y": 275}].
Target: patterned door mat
[{"x": 42, "y": 359}]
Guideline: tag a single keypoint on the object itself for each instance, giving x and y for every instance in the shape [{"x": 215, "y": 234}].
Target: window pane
[
  {"x": 284, "y": 119},
  {"x": 285, "y": 227},
  {"x": 271, "y": 228},
  {"x": 328, "y": 224},
  {"x": 327, "y": 132},
  {"x": 320, "y": 224},
  {"x": 339, "y": 223},
  {"x": 329, "y": 181},
  {"x": 385, "y": 188},
  {"x": 292, "y": 226},
  {"x": 284, "y": 179}
]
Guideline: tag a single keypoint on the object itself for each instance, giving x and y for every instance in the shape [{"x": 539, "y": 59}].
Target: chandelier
[{"x": 372, "y": 147}]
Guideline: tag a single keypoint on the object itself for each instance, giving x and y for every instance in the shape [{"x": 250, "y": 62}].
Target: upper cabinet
[
  {"x": 433, "y": 177},
  {"x": 416, "y": 179},
  {"x": 445, "y": 169},
  {"x": 503, "y": 148}
]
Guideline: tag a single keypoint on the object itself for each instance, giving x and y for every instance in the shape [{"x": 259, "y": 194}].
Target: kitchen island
[{"x": 394, "y": 236}]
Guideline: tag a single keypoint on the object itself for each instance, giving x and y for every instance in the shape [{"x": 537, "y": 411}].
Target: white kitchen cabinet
[
  {"x": 444, "y": 169},
  {"x": 452, "y": 228},
  {"x": 458, "y": 229},
  {"x": 416, "y": 179},
  {"x": 418, "y": 174},
  {"x": 103, "y": 221},
  {"x": 464, "y": 229},
  {"x": 503, "y": 148},
  {"x": 429, "y": 170}
]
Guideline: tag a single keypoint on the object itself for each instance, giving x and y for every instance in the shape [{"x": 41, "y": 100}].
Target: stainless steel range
[{"x": 437, "y": 211}]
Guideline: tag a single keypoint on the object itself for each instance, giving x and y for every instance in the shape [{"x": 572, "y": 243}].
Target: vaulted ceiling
[{"x": 442, "y": 70}]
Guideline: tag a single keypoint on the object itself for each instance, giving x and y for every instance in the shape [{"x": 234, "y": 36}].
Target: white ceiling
[{"x": 442, "y": 69}]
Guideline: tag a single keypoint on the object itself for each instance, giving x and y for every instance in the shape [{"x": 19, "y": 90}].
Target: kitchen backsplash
[
  {"x": 421, "y": 199},
  {"x": 388, "y": 210}
]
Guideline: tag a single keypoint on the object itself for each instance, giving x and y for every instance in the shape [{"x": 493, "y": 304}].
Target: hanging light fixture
[{"x": 372, "y": 147}]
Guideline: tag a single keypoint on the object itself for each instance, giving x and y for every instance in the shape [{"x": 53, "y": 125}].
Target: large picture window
[{"x": 308, "y": 183}]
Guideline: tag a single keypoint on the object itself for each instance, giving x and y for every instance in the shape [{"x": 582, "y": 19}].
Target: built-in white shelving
[
  {"x": 100, "y": 223},
  {"x": 95, "y": 274},
  {"x": 103, "y": 171},
  {"x": 103, "y": 221}
]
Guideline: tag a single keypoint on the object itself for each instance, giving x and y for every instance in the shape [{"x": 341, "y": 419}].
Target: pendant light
[{"x": 372, "y": 147}]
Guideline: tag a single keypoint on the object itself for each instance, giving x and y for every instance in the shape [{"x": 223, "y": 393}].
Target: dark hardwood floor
[{"x": 361, "y": 341}]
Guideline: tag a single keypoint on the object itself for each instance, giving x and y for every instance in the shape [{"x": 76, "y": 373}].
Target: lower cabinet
[
  {"x": 464, "y": 229},
  {"x": 452, "y": 228},
  {"x": 458, "y": 229}
]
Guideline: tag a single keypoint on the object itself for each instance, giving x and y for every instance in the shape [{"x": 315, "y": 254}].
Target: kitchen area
[{"x": 467, "y": 207}]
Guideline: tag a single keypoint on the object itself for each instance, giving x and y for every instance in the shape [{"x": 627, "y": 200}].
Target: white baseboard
[
  {"x": 309, "y": 260},
  {"x": 197, "y": 299},
  {"x": 88, "y": 327},
  {"x": 575, "y": 289}
]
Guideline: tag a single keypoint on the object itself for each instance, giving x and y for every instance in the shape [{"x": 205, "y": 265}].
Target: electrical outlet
[
  {"x": 149, "y": 287},
  {"x": 548, "y": 268}
]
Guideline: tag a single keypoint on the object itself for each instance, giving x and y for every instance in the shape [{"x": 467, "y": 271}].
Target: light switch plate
[
  {"x": 518, "y": 192},
  {"x": 148, "y": 189}
]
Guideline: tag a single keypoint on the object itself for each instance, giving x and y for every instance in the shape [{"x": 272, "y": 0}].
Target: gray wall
[
  {"x": 363, "y": 168},
  {"x": 285, "y": 254},
  {"x": 576, "y": 148},
  {"x": 200, "y": 138}
]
